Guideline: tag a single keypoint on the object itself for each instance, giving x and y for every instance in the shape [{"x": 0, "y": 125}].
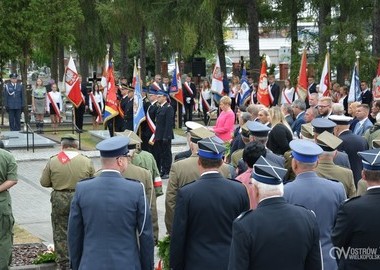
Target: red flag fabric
[
  {"x": 302, "y": 78},
  {"x": 176, "y": 87},
  {"x": 72, "y": 84},
  {"x": 112, "y": 104},
  {"x": 263, "y": 93},
  {"x": 324, "y": 85}
]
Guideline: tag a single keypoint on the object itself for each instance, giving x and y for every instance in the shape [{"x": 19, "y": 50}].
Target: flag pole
[
  {"x": 73, "y": 108},
  {"x": 178, "y": 107},
  {"x": 357, "y": 53},
  {"x": 328, "y": 67}
]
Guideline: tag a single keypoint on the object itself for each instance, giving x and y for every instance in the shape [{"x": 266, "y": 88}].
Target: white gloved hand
[{"x": 188, "y": 99}]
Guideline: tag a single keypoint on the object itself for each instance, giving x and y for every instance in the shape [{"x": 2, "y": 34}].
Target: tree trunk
[
  {"x": 61, "y": 62},
  {"x": 83, "y": 68},
  {"x": 24, "y": 72},
  {"x": 157, "y": 53},
  {"x": 324, "y": 12},
  {"x": 219, "y": 38},
  {"x": 143, "y": 53},
  {"x": 376, "y": 29},
  {"x": 253, "y": 33},
  {"x": 123, "y": 55},
  {"x": 294, "y": 41},
  {"x": 54, "y": 57}
]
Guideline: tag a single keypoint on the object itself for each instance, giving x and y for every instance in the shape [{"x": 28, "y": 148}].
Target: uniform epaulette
[
  {"x": 351, "y": 199},
  {"x": 85, "y": 179},
  {"x": 244, "y": 214}
]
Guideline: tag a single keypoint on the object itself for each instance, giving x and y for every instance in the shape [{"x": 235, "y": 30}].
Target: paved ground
[{"x": 31, "y": 202}]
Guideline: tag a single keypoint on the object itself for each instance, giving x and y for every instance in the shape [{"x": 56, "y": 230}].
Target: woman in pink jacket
[{"x": 224, "y": 126}]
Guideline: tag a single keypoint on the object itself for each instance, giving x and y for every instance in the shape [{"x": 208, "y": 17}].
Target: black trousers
[
  {"x": 165, "y": 158},
  {"x": 79, "y": 112}
]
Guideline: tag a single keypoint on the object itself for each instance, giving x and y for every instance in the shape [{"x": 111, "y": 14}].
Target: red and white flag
[
  {"x": 72, "y": 84},
  {"x": 263, "y": 96},
  {"x": 324, "y": 85},
  {"x": 134, "y": 74},
  {"x": 217, "y": 78},
  {"x": 302, "y": 85}
]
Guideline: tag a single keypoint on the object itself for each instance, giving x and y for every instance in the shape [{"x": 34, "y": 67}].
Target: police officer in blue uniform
[
  {"x": 13, "y": 102},
  {"x": 358, "y": 221},
  {"x": 110, "y": 224},
  {"x": 276, "y": 235},
  {"x": 204, "y": 212},
  {"x": 318, "y": 194}
]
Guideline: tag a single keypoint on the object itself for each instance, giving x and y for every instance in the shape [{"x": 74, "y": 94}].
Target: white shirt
[
  {"x": 57, "y": 99},
  {"x": 287, "y": 94}
]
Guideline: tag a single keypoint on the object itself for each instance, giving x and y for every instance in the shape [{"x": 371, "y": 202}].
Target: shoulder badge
[{"x": 243, "y": 214}]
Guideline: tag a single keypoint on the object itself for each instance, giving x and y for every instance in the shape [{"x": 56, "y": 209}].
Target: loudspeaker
[{"x": 198, "y": 67}]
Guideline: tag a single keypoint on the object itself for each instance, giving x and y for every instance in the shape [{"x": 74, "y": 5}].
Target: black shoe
[{"x": 165, "y": 176}]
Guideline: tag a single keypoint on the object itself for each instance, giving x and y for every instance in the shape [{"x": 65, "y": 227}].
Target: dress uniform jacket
[
  {"x": 110, "y": 225},
  {"x": 327, "y": 169},
  {"x": 324, "y": 198},
  {"x": 202, "y": 227},
  {"x": 357, "y": 226},
  {"x": 164, "y": 123},
  {"x": 13, "y": 96},
  {"x": 183, "y": 172},
  {"x": 145, "y": 177},
  {"x": 262, "y": 240},
  {"x": 127, "y": 106},
  {"x": 352, "y": 144}
]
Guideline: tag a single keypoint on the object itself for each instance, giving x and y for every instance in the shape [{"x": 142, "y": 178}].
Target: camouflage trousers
[
  {"x": 6, "y": 230},
  {"x": 60, "y": 209}
]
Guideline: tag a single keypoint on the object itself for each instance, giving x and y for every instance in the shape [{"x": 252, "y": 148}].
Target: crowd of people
[{"x": 265, "y": 188}]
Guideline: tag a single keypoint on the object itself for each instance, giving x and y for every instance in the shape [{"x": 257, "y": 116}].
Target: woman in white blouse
[
  {"x": 288, "y": 94},
  {"x": 54, "y": 106}
]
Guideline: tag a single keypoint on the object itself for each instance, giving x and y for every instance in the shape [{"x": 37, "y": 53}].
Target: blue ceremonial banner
[
  {"x": 354, "y": 93},
  {"x": 138, "y": 109},
  {"x": 244, "y": 86}
]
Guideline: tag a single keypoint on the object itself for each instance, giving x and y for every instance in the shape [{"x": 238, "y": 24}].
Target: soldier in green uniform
[
  {"x": 185, "y": 171},
  {"x": 144, "y": 176},
  {"x": 145, "y": 160},
  {"x": 8, "y": 178},
  {"x": 62, "y": 172},
  {"x": 326, "y": 167}
]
